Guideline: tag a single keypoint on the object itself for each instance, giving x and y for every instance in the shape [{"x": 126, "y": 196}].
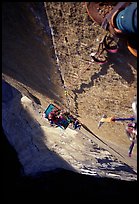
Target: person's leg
[
  {"x": 131, "y": 149},
  {"x": 126, "y": 20}
]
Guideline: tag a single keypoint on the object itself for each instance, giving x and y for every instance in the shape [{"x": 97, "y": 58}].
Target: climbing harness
[{"x": 108, "y": 44}]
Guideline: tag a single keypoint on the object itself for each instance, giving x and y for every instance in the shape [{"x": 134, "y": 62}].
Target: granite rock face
[{"x": 40, "y": 72}]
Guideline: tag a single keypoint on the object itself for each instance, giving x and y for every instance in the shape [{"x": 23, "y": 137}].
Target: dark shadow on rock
[
  {"x": 121, "y": 62},
  {"x": 11, "y": 167},
  {"x": 7, "y": 93},
  {"x": 12, "y": 145},
  {"x": 83, "y": 86},
  {"x": 25, "y": 54},
  {"x": 108, "y": 162},
  {"x": 34, "y": 98},
  {"x": 58, "y": 183}
]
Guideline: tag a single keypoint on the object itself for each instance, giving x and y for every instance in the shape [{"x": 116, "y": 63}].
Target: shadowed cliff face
[
  {"x": 27, "y": 53},
  {"x": 85, "y": 187}
]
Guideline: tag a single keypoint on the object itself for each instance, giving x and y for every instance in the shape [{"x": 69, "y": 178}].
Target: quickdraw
[{"x": 108, "y": 44}]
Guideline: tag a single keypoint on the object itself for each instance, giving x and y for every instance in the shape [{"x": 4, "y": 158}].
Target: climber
[
  {"x": 53, "y": 117},
  {"x": 120, "y": 20},
  {"x": 131, "y": 129},
  {"x": 76, "y": 124},
  {"x": 62, "y": 118}
]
